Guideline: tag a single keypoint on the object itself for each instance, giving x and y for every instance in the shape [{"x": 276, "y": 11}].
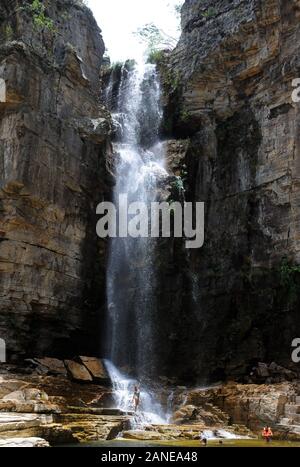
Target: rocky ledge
[
  {"x": 24, "y": 443},
  {"x": 61, "y": 402},
  {"x": 187, "y": 432},
  {"x": 56, "y": 401},
  {"x": 252, "y": 405}
]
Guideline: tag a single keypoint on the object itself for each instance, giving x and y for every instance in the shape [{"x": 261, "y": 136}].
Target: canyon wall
[
  {"x": 232, "y": 135},
  {"x": 53, "y": 140},
  {"x": 228, "y": 88}
]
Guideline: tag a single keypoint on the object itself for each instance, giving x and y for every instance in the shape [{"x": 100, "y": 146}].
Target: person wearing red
[{"x": 267, "y": 434}]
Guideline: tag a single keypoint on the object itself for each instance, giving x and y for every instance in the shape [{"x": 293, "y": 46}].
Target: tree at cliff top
[{"x": 155, "y": 38}]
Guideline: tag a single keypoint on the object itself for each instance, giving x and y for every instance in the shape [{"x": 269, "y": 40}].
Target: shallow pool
[{"x": 119, "y": 443}]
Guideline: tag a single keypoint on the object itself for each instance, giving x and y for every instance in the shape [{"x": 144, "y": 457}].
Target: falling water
[
  {"x": 131, "y": 280},
  {"x": 150, "y": 410},
  {"x": 131, "y": 277}
]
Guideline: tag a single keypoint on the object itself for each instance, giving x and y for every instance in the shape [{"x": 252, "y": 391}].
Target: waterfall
[
  {"x": 131, "y": 276},
  {"x": 131, "y": 273},
  {"x": 149, "y": 412}
]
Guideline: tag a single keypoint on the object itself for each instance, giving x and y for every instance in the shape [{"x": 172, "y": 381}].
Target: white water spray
[{"x": 149, "y": 412}]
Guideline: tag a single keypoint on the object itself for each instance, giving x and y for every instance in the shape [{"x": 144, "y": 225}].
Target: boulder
[
  {"x": 273, "y": 367},
  {"x": 33, "y": 394},
  {"x": 262, "y": 370},
  {"x": 96, "y": 369},
  {"x": 28, "y": 400},
  {"x": 144, "y": 435},
  {"x": 78, "y": 372},
  {"x": 27, "y": 394},
  {"x": 53, "y": 365},
  {"x": 8, "y": 386},
  {"x": 207, "y": 414},
  {"x": 18, "y": 396},
  {"x": 271, "y": 374},
  {"x": 185, "y": 414}
]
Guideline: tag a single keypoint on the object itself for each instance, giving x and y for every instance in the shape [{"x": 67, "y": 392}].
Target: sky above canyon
[{"x": 119, "y": 19}]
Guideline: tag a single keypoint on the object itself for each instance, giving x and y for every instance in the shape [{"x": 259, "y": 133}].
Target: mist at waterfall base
[
  {"x": 150, "y": 411},
  {"x": 131, "y": 273}
]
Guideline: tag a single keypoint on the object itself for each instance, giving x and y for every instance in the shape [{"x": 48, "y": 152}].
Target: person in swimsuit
[{"x": 136, "y": 397}]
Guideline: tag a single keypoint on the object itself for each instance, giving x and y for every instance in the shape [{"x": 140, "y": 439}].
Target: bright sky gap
[{"x": 118, "y": 21}]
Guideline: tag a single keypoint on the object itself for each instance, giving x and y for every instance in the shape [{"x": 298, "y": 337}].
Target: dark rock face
[
  {"x": 232, "y": 78},
  {"x": 53, "y": 133},
  {"x": 232, "y": 128}
]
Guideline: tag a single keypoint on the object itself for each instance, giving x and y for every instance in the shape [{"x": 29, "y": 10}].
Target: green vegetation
[
  {"x": 178, "y": 184},
  {"x": 209, "y": 13},
  {"x": 185, "y": 115},
  {"x": 40, "y": 19},
  {"x": 172, "y": 81},
  {"x": 116, "y": 65},
  {"x": 177, "y": 9},
  {"x": 184, "y": 173},
  {"x": 177, "y": 191},
  {"x": 289, "y": 279},
  {"x": 130, "y": 64},
  {"x": 155, "y": 39},
  {"x": 155, "y": 57},
  {"x": 65, "y": 16},
  {"x": 8, "y": 32}
]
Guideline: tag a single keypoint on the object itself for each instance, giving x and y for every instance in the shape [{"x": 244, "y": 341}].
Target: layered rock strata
[
  {"x": 53, "y": 140},
  {"x": 228, "y": 88}
]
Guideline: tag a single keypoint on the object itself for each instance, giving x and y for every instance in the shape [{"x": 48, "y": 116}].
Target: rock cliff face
[
  {"x": 229, "y": 86},
  {"x": 232, "y": 131},
  {"x": 53, "y": 138}
]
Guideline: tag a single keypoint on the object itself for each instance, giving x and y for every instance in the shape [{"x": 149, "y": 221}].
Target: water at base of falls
[
  {"x": 150, "y": 411},
  {"x": 221, "y": 434}
]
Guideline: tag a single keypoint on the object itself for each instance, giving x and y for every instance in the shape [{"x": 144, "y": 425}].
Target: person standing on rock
[{"x": 136, "y": 397}]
